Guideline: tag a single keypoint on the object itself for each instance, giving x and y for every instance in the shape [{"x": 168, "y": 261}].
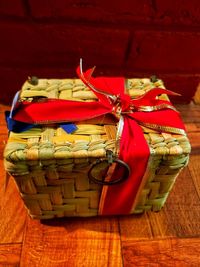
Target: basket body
[{"x": 50, "y": 167}]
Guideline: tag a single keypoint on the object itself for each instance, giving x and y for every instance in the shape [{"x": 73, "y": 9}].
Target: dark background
[{"x": 130, "y": 38}]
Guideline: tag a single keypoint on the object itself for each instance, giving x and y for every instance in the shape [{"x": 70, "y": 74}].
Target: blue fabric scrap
[
  {"x": 69, "y": 127},
  {"x": 16, "y": 126}
]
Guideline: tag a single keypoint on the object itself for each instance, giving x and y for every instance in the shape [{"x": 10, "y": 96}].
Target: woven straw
[{"x": 50, "y": 167}]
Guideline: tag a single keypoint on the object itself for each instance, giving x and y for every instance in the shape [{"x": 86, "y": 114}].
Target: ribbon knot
[
  {"x": 121, "y": 105},
  {"x": 125, "y": 103}
]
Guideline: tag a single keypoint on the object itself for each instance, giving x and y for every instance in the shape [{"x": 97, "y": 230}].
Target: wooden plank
[
  {"x": 2, "y": 122},
  {"x": 10, "y": 255},
  {"x": 194, "y": 168},
  {"x": 195, "y": 142},
  {"x": 3, "y": 140},
  {"x": 135, "y": 227},
  {"x": 191, "y": 117},
  {"x": 3, "y": 127},
  {"x": 179, "y": 217},
  {"x": 193, "y": 127},
  {"x": 12, "y": 211},
  {"x": 183, "y": 191},
  {"x": 197, "y": 95},
  {"x": 179, "y": 221},
  {"x": 3, "y": 108},
  {"x": 167, "y": 252},
  {"x": 190, "y": 113},
  {"x": 3, "y": 134},
  {"x": 72, "y": 242}
]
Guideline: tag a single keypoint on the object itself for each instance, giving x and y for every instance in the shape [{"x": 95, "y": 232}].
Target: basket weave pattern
[{"x": 50, "y": 166}]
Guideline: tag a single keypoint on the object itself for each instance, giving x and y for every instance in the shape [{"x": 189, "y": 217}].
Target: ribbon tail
[
  {"x": 163, "y": 120},
  {"x": 57, "y": 111},
  {"x": 106, "y": 89},
  {"x": 91, "y": 82},
  {"x": 134, "y": 150},
  {"x": 149, "y": 99}
]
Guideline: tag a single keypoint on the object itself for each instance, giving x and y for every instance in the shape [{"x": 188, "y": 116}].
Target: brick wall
[{"x": 131, "y": 38}]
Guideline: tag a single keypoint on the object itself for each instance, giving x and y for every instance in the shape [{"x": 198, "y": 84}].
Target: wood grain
[
  {"x": 72, "y": 242},
  {"x": 10, "y": 255},
  {"x": 192, "y": 127},
  {"x": 170, "y": 252},
  {"x": 194, "y": 168},
  {"x": 190, "y": 112},
  {"x": 12, "y": 214},
  {"x": 135, "y": 227},
  {"x": 180, "y": 221},
  {"x": 195, "y": 142},
  {"x": 191, "y": 117},
  {"x": 12, "y": 211},
  {"x": 180, "y": 217},
  {"x": 183, "y": 191}
]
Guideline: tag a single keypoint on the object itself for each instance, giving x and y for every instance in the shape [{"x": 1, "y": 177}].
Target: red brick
[
  {"x": 93, "y": 10},
  {"x": 178, "y": 12},
  {"x": 165, "y": 51},
  {"x": 185, "y": 85},
  {"x": 12, "y": 8},
  {"x": 61, "y": 45},
  {"x": 181, "y": 12}
]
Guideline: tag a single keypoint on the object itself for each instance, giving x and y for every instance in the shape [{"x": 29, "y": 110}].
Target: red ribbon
[{"x": 134, "y": 149}]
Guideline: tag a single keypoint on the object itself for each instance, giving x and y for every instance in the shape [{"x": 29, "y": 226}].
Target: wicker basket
[{"x": 50, "y": 167}]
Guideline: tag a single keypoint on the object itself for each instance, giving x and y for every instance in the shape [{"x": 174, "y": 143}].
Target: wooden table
[{"x": 170, "y": 237}]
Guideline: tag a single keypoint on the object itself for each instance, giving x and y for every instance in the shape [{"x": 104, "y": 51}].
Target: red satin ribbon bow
[{"x": 147, "y": 110}]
